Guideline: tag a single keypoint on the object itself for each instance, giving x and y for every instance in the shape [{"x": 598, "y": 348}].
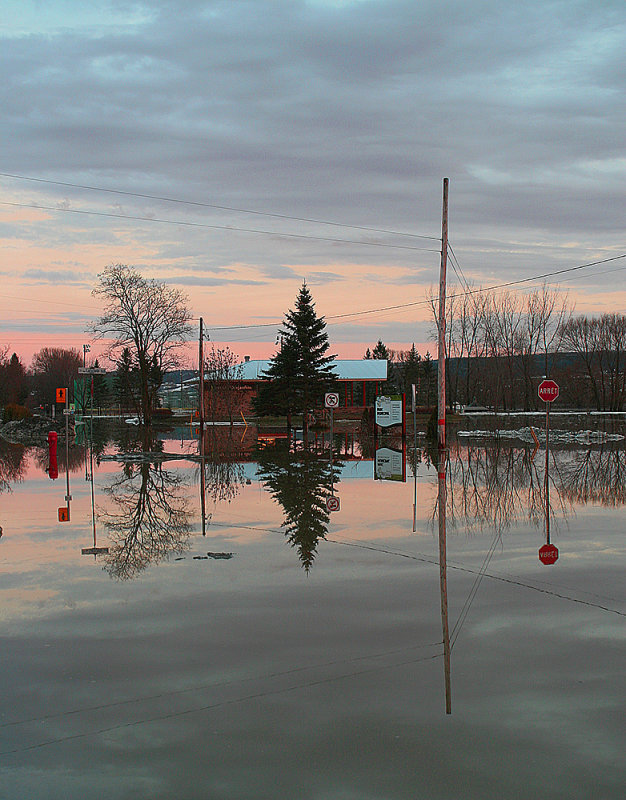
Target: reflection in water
[
  {"x": 221, "y": 453},
  {"x": 493, "y": 487},
  {"x": 151, "y": 521},
  {"x": 72, "y": 456},
  {"x": 593, "y": 476},
  {"x": 12, "y": 464},
  {"x": 443, "y": 573},
  {"x": 300, "y": 481}
]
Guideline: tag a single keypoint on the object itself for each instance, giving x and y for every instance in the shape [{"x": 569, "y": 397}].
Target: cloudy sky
[{"x": 271, "y": 119}]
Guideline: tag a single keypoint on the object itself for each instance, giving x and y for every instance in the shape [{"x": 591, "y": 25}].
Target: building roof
[{"x": 356, "y": 369}]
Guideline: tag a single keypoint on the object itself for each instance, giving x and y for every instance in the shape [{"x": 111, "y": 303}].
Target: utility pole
[
  {"x": 441, "y": 416},
  {"x": 201, "y": 387},
  {"x": 441, "y": 368}
]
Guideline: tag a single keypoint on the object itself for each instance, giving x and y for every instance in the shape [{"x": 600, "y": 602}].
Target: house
[{"x": 359, "y": 382}]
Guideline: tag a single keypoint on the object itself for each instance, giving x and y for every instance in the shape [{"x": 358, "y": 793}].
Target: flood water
[{"x": 203, "y": 626}]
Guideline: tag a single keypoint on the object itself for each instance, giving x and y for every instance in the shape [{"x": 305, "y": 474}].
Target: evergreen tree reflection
[
  {"x": 150, "y": 520},
  {"x": 300, "y": 481}
]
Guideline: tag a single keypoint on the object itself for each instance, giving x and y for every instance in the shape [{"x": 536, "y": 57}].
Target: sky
[{"x": 236, "y": 148}]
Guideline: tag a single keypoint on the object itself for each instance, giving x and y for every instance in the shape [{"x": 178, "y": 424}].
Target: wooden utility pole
[
  {"x": 441, "y": 367},
  {"x": 441, "y": 416},
  {"x": 201, "y": 386}
]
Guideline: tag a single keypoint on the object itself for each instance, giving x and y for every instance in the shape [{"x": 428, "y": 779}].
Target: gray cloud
[{"x": 351, "y": 112}]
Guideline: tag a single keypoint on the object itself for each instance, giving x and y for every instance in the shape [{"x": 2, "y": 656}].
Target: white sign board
[
  {"x": 331, "y": 400},
  {"x": 388, "y": 465},
  {"x": 388, "y": 410},
  {"x": 332, "y": 503}
]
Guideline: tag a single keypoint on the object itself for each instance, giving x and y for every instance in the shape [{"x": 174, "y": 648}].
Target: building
[{"x": 359, "y": 382}]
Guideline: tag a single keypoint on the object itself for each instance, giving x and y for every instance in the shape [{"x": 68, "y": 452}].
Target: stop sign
[
  {"x": 548, "y": 554},
  {"x": 548, "y": 391}
]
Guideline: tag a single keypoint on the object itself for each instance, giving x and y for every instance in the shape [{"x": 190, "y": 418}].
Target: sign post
[
  {"x": 331, "y": 401},
  {"x": 548, "y": 391}
]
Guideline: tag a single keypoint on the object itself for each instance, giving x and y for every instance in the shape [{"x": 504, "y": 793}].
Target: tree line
[{"x": 501, "y": 345}]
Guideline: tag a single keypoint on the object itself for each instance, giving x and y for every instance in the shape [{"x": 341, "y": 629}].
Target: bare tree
[
  {"x": 222, "y": 373},
  {"x": 146, "y": 316},
  {"x": 54, "y": 367}
]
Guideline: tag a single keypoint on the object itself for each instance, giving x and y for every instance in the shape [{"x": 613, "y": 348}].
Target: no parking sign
[
  {"x": 332, "y": 503},
  {"x": 331, "y": 399}
]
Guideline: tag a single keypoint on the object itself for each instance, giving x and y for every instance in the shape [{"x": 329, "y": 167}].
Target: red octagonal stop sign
[
  {"x": 548, "y": 554},
  {"x": 548, "y": 391}
]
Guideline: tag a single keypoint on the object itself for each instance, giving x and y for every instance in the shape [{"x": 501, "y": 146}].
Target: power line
[
  {"x": 217, "y": 207},
  {"x": 427, "y": 302},
  {"x": 205, "y": 225}
]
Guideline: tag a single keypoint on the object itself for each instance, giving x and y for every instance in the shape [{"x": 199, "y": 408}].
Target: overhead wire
[
  {"x": 204, "y": 225},
  {"x": 415, "y": 303},
  {"x": 215, "y": 206}
]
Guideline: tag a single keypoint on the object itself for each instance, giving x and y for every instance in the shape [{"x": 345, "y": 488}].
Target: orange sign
[
  {"x": 64, "y": 514},
  {"x": 61, "y": 395}
]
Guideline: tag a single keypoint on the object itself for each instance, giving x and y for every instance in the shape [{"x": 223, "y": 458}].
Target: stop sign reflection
[{"x": 548, "y": 554}]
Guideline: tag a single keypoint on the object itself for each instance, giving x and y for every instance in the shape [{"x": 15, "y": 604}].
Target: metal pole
[
  {"x": 546, "y": 478},
  {"x": 68, "y": 496},
  {"x": 441, "y": 368}
]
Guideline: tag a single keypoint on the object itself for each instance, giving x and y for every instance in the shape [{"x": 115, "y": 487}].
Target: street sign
[
  {"x": 61, "y": 395},
  {"x": 91, "y": 371},
  {"x": 331, "y": 400},
  {"x": 64, "y": 514},
  {"x": 68, "y": 411},
  {"x": 332, "y": 503},
  {"x": 548, "y": 554},
  {"x": 548, "y": 391}
]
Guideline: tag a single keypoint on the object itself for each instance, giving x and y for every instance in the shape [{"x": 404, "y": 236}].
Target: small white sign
[
  {"x": 332, "y": 503},
  {"x": 331, "y": 399},
  {"x": 91, "y": 371}
]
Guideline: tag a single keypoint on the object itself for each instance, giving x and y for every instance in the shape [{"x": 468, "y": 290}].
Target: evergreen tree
[
  {"x": 380, "y": 351},
  {"x": 409, "y": 369},
  {"x": 301, "y": 372},
  {"x": 100, "y": 390},
  {"x": 125, "y": 381}
]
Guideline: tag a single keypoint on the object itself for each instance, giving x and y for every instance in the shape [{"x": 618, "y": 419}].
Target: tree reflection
[
  {"x": 150, "y": 521},
  {"x": 594, "y": 476},
  {"x": 301, "y": 482},
  {"x": 493, "y": 487},
  {"x": 12, "y": 464},
  {"x": 222, "y": 457}
]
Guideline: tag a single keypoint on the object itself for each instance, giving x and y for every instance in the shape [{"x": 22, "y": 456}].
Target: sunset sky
[{"x": 228, "y": 134}]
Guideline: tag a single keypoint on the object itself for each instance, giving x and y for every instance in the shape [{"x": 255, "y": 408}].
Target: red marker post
[{"x": 548, "y": 391}]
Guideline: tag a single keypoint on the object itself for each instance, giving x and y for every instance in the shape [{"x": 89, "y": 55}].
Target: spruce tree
[{"x": 301, "y": 371}]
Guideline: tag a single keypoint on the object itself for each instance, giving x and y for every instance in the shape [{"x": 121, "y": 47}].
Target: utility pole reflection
[
  {"x": 443, "y": 576},
  {"x": 95, "y": 550}
]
